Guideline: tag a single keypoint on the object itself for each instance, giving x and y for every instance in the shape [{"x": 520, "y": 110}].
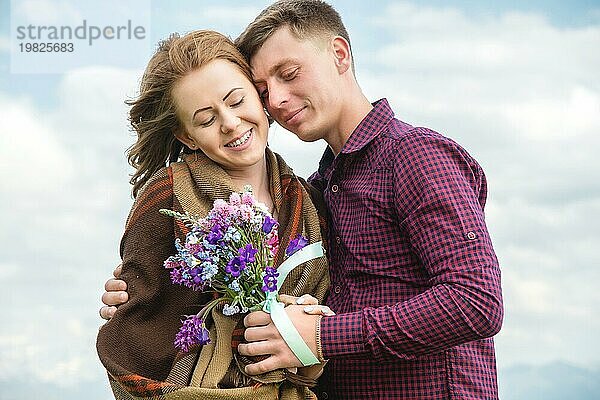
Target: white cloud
[
  {"x": 227, "y": 19},
  {"x": 47, "y": 352},
  {"x": 8, "y": 270},
  {"x": 4, "y": 44},
  {"x": 38, "y": 161},
  {"x": 570, "y": 117},
  {"x": 65, "y": 198},
  {"x": 96, "y": 96},
  {"x": 301, "y": 156},
  {"x": 238, "y": 16},
  {"x": 44, "y": 12}
]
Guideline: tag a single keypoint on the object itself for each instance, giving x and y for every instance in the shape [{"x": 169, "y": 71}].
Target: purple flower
[
  {"x": 174, "y": 262},
  {"x": 196, "y": 275},
  {"x": 193, "y": 248},
  {"x": 235, "y": 266},
  {"x": 272, "y": 243},
  {"x": 176, "y": 277},
  {"x": 296, "y": 244},
  {"x": 268, "y": 224},
  {"x": 235, "y": 199},
  {"x": 220, "y": 205},
  {"x": 246, "y": 212},
  {"x": 247, "y": 253},
  {"x": 270, "y": 280},
  {"x": 215, "y": 234},
  {"x": 192, "y": 332},
  {"x": 247, "y": 198}
]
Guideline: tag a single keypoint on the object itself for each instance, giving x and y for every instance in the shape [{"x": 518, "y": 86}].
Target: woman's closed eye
[
  {"x": 238, "y": 103},
  {"x": 208, "y": 122}
]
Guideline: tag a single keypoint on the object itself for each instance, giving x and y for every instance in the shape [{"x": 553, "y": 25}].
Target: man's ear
[
  {"x": 184, "y": 138},
  {"x": 342, "y": 54}
]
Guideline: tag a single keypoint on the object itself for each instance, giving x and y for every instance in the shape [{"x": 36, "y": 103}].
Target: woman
[{"x": 197, "y": 102}]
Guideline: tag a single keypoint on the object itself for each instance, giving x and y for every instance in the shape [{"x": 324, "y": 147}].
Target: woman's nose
[{"x": 230, "y": 122}]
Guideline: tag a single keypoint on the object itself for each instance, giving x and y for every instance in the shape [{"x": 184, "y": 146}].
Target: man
[{"x": 415, "y": 282}]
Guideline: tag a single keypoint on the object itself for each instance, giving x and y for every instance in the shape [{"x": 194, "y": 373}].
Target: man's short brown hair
[{"x": 306, "y": 19}]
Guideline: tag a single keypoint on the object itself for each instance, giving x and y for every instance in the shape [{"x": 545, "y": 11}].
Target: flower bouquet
[{"x": 230, "y": 252}]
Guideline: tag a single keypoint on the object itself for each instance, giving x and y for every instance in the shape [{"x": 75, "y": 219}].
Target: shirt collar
[{"x": 369, "y": 128}]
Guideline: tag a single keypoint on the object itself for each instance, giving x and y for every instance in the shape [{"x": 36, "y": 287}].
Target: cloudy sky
[{"x": 516, "y": 84}]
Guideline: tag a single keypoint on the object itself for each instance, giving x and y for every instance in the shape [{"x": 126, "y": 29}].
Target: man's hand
[
  {"x": 115, "y": 295},
  {"x": 264, "y": 339}
]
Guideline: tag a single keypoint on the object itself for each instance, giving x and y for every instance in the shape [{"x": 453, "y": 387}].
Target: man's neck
[{"x": 352, "y": 113}]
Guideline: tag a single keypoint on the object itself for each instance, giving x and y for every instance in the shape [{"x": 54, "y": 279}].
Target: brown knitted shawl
[{"x": 136, "y": 346}]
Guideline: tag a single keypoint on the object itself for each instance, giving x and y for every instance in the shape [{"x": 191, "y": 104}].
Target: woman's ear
[
  {"x": 184, "y": 138},
  {"x": 342, "y": 54}
]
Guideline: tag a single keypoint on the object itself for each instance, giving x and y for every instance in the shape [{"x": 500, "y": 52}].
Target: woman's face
[{"x": 222, "y": 115}]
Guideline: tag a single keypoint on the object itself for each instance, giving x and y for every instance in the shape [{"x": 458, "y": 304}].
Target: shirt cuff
[{"x": 342, "y": 335}]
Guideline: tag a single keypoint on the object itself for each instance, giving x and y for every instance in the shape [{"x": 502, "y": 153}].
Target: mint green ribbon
[{"x": 281, "y": 320}]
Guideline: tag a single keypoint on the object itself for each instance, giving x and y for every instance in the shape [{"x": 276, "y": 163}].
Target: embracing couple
[{"x": 410, "y": 286}]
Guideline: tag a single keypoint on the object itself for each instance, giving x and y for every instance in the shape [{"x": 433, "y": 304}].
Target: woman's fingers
[
  {"x": 318, "y": 310},
  {"x": 287, "y": 299},
  {"x": 311, "y": 304},
  {"x": 305, "y": 299}
]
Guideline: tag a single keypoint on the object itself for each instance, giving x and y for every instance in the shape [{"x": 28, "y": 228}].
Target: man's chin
[
  {"x": 308, "y": 138},
  {"x": 306, "y": 135}
]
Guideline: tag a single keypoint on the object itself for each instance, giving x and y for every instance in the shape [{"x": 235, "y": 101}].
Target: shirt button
[
  {"x": 337, "y": 289},
  {"x": 338, "y": 240},
  {"x": 334, "y": 188},
  {"x": 324, "y": 395},
  {"x": 471, "y": 236}
]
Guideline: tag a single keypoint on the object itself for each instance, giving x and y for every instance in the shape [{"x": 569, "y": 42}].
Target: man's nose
[{"x": 278, "y": 95}]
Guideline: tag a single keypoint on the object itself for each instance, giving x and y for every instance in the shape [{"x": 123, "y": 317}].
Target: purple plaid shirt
[{"x": 414, "y": 277}]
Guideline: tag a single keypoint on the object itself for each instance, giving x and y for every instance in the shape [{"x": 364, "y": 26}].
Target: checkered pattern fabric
[{"x": 414, "y": 277}]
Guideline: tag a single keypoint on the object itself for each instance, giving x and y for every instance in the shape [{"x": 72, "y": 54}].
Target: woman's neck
[{"x": 257, "y": 177}]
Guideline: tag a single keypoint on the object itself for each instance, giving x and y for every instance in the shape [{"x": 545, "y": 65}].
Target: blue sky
[{"x": 514, "y": 82}]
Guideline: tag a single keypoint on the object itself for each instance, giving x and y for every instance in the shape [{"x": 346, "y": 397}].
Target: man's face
[{"x": 299, "y": 84}]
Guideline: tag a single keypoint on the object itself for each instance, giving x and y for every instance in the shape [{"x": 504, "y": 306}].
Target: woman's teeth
[{"x": 241, "y": 140}]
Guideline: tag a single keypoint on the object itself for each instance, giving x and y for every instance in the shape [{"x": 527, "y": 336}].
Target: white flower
[
  {"x": 256, "y": 222},
  {"x": 208, "y": 271},
  {"x": 230, "y": 310},
  {"x": 235, "y": 285}
]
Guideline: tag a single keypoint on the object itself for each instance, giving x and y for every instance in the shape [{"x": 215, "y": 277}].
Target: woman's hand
[{"x": 311, "y": 304}]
